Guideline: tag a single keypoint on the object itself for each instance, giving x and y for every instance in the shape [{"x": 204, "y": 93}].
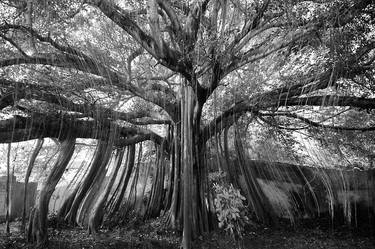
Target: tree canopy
[{"x": 87, "y": 60}]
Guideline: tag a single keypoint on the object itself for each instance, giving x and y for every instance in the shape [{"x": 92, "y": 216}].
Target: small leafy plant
[{"x": 230, "y": 210}]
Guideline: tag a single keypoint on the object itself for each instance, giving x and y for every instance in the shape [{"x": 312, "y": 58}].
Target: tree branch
[
  {"x": 175, "y": 22},
  {"x": 172, "y": 59},
  {"x": 310, "y": 123},
  {"x": 332, "y": 100},
  {"x": 249, "y": 26},
  {"x": 267, "y": 48},
  {"x": 20, "y": 128},
  {"x": 228, "y": 117},
  {"x": 93, "y": 67},
  {"x": 14, "y": 44},
  {"x": 56, "y": 96}
]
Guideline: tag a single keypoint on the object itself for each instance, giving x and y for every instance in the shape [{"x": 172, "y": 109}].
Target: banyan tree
[{"x": 177, "y": 74}]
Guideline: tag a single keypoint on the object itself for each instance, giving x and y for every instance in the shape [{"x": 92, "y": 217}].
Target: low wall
[
  {"x": 16, "y": 198},
  {"x": 300, "y": 191}
]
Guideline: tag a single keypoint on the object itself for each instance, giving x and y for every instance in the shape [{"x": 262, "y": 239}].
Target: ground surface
[{"x": 151, "y": 235}]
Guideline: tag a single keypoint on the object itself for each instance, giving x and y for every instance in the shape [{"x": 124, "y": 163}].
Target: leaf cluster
[{"x": 230, "y": 209}]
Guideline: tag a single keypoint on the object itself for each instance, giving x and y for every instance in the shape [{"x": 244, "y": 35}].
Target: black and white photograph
[{"x": 187, "y": 124}]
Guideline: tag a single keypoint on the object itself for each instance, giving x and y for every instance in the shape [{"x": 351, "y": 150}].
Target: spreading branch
[
  {"x": 310, "y": 123},
  {"x": 168, "y": 57},
  {"x": 21, "y": 128},
  {"x": 54, "y": 95}
]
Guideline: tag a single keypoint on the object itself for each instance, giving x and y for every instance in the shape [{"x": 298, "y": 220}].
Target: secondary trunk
[
  {"x": 129, "y": 169},
  {"x": 35, "y": 153},
  {"x": 174, "y": 209},
  {"x": 7, "y": 197},
  {"x": 157, "y": 189},
  {"x": 84, "y": 187},
  {"x": 132, "y": 198},
  {"x": 110, "y": 204},
  {"x": 96, "y": 187},
  {"x": 97, "y": 213},
  {"x": 39, "y": 218}
]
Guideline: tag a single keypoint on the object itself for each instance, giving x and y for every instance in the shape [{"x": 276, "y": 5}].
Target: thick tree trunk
[
  {"x": 93, "y": 193},
  {"x": 187, "y": 149},
  {"x": 203, "y": 216},
  {"x": 154, "y": 205},
  {"x": 176, "y": 196},
  {"x": 87, "y": 183},
  {"x": 111, "y": 202},
  {"x": 129, "y": 169},
  {"x": 64, "y": 209},
  {"x": 191, "y": 205},
  {"x": 132, "y": 198},
  {"x": 35, "y": 153},
  {"x": 97, "y": 213},
  {"x": 140, "y": 206},
  {"x": 79, "y": 177},
  {"x": 39, "y": 224},
  {"x": 170, "y": 176}
]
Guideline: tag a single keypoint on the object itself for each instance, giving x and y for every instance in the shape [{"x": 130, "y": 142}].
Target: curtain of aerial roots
[
  {"x": 119, "y": 193},
  {"x": 30, "y": 166},
  {"x": 255, "y": 196},
  {"x": 258, "y": 197},
  {"x": 94, "y": 197},
  {"x": 37, "y": 231},
  {"x": 178, "y": 188},
  {"x": 238, "y": 166},
  {"x": 76, "y": 206},
  {"x": 331, "y": 189},
  {"x": 97, "y": 212},
  {"x": 155, "y": 201},
  {"x": 133, "y": 193},
  {"x": 312, "y": 190}
]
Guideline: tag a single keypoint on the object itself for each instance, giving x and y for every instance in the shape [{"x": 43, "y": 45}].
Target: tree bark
[
  {"x": 86, "y": 184},
  {"x": 35, "y": 153},
  {"x": 187, "y": 145},
  {"x": 129, "y": 169},
  {"x": 133, "y": 192},
  {"x": 97, "y": 185},
  {"x": 111, "y": 202},
  {"x": 7, "y": 197},
  {"x": 140, "y": 206},
  {"x": 28, "y": 20},
  {"x": 39, "y": 231},
  {"x": 176, "y": 196},
  {"x": 232, "y": 171},
  {"x": 154, "y": 205},
  {"x": 97, "y": 213}
]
